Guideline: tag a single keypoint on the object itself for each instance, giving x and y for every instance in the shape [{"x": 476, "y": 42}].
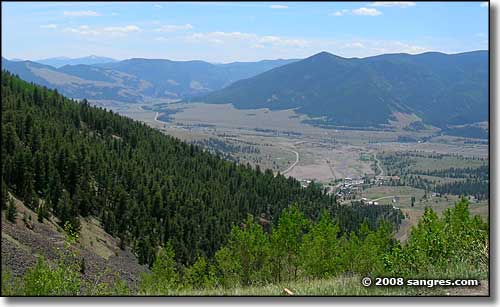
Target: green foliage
[
  {"x": 320, "y": 250},
  {"x": 436, "y": 246},
  {"x": 42, "y": 213},
  {"x": 71, "y": 233},
  {"x": 11, "y": 213},
  {"x": 164, "y": 277},
  {"x": 200, "y": 275},
  {"x": 10, "y": 285},
  {"x": 117, "y": 287},
  {"x": 364, "y": 253},
  {"x": 286, "y": 241},
  {"x": 4, "y": 195},
  {"x": 245, "y": 259},
  {"x": 61, "y": 279},
  {"x": 53, "y": 281}
]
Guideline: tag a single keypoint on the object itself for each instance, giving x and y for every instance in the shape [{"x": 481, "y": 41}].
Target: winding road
[
  {"x": 391, "y": 196},
  {"x": 294, "y": 163},
  {"x": 378, "y": 165}
]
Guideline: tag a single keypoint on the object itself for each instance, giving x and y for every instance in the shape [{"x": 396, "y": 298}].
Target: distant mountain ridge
[
  {"x": 135, "y": 80},
  {"x": 439, "y": 88},
  {"x": 88, "y": 60}
]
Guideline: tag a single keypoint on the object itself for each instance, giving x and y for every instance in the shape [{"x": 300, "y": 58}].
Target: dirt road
[{"x": 294, "y": 163}]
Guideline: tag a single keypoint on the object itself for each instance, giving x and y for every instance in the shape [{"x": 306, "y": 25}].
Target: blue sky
[{"x": 239, "y": 31}]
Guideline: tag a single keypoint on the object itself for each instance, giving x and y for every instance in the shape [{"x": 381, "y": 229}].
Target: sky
[{"x": 222, "y": 32}]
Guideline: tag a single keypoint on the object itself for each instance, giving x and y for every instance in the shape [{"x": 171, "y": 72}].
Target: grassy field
[
  {"x": 428, "y": 163},
  {"x": 338, "y": 286},
  {"x": 403, "y": 195}
]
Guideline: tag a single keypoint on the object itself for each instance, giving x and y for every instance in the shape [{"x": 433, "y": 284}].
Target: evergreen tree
[{"x": 11, "y": 210}]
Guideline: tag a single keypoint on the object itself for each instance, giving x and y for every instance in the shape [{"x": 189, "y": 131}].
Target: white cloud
[
  {"x": 81, "y": 13},
  {"x": 173, "y": 28},
  {"x": 280, "y": 41},
  {"x": 49, "y": 26},
  {"x": 402, "y": 4},
  {"x": 366, "y": 12},
  {"x": 380, "y": 47},
  {"x": 340, "y": 13},
  {"x": 83, "y": 30},
  {"x": 114, "y": 14},
  {"x": 361, "y": 11},
  {"x": 219, "y": 37},
  {"x": 354, "y": 45},
  {"x": 484, "y": 4},
  {"x": 158, "y": 6},
  {"x": 119, "y": 31},
  {"x": 161, "y": 39},
  {"x": 254, "y": 40},
  {"x": 277, "y": 6}
]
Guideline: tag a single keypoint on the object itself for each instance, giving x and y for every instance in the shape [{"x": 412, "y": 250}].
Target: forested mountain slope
[
  {"x": 70, "y": 159},
  {"x": 441, "y": 89}
]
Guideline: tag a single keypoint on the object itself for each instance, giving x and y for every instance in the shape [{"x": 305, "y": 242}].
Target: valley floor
[{"x": 308, "y": 153}]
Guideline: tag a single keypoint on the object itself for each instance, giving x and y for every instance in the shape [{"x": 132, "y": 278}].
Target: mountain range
[
  {"x": 439, "y": 88},
  {"x": 88, "y": 60},
  {"x": 136, "y": 80}
]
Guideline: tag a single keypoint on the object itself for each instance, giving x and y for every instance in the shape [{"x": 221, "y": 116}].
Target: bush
[
  {"x": 164, "y": 277},
  {"x": 245, "y": 259},
  {"x": 438, "y": 246},
  {"x": 200, "y": 275},
  {"x": 320, "y": 250},
  {"x": 43, "y": 280}
]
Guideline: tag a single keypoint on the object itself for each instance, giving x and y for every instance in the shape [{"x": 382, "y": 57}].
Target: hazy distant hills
[
  {"x": 441, "y": 89},
  {"x": 137, "y": 79},
  {"x": 88, "y": 60},
  {"x": 80, "y": 81},
  {"x": 177, "y": 79}
]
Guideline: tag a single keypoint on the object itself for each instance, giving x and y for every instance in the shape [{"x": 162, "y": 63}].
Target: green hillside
[
  {"x": 146, "y": 188},
  {"x": 441, "y": 89}
]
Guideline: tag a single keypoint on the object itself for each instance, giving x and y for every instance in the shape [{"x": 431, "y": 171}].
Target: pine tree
[
  {"x": 42, "y": 213},
  {"x": 11, "y": 210},
  {"x": 5, "y": 194}
]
